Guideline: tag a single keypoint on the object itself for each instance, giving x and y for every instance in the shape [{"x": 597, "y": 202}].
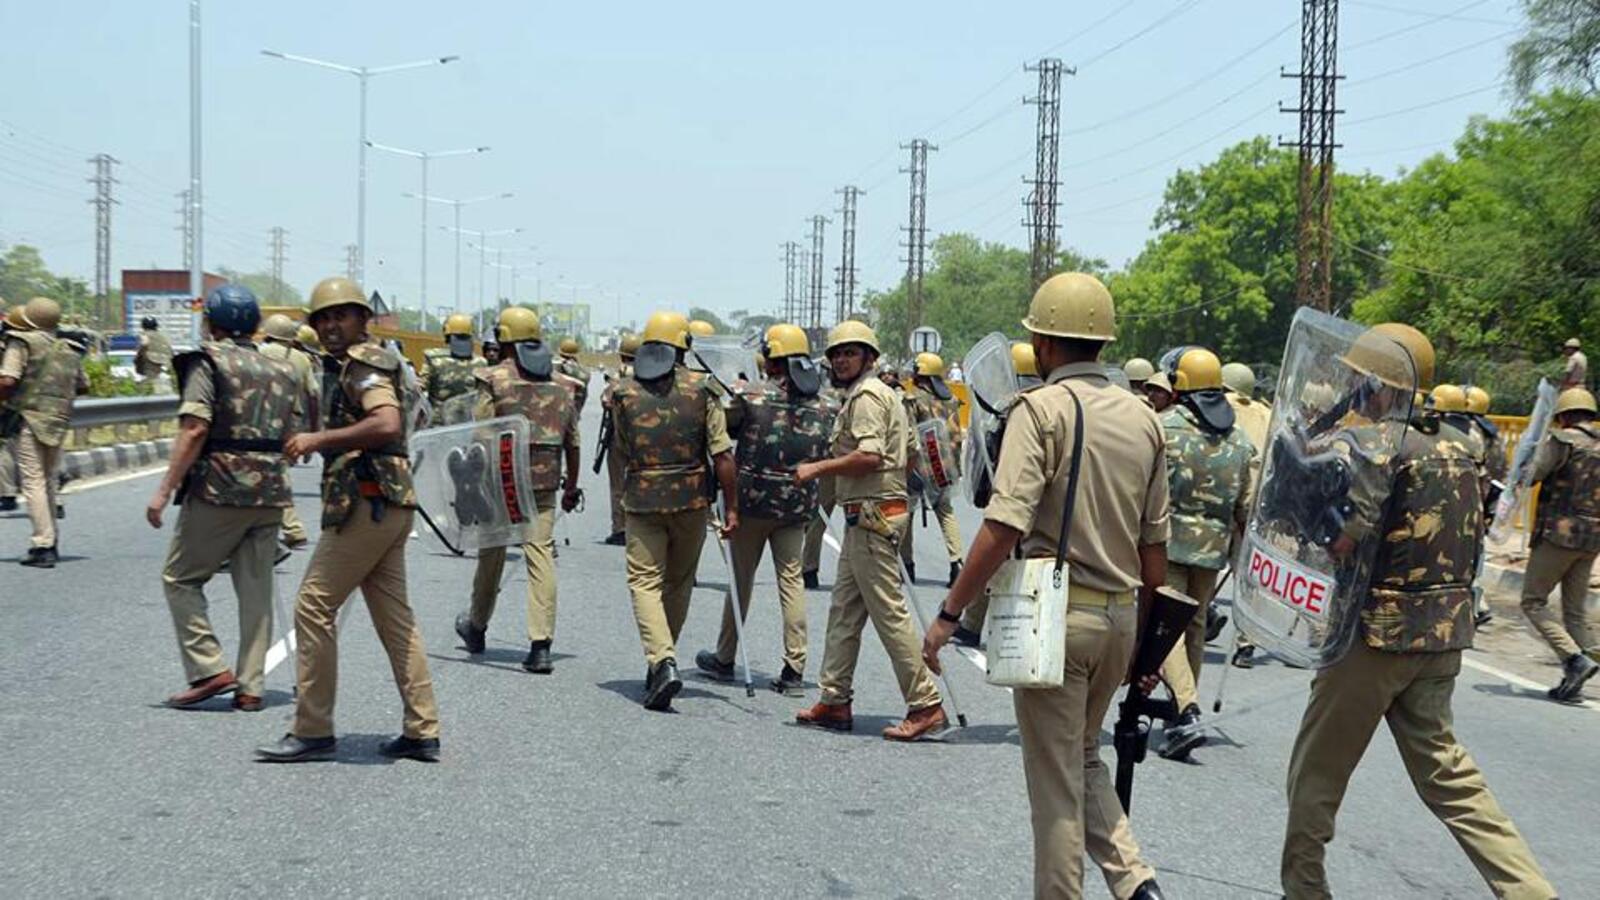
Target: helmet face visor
[
  {"x": 460, "y": 345},
  {"x": 804, "y": 375},
  {"x": 654, "y": 360},
  {"x": 534, "y": 359}
]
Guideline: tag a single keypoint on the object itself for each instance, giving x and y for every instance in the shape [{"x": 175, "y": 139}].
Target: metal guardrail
[{"x": 101, "y": 411}]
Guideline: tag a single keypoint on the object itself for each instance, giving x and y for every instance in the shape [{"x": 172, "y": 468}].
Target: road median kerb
[{"x": 115, "y": 459}]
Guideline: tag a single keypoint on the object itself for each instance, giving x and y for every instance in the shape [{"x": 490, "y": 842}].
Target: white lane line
[
  {"x": 86, "y": 484},
  {"x": 1519, "y": 681}
]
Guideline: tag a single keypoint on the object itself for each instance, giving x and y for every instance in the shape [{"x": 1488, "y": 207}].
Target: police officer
[
  {"x": 1575, "y": 371},
  {"x": 447, "y": 372},
  {"x": 1026, "y": 364},
  {"x": 1497, "y": 464},
  {"x": 627, "y": 346},
  {"x": 817, "y": 528},
  {"x": 521, "y": 385},
  {"x": 40, "y": 374},
  {"x": 232, "y": 482},
  {"x": 1406, "y": 654},
  {"x": 1158, "y": 392},
  {"x": 570, "y": 368},
  {"x": 778, "y": 422},
  {"x": 1210, "y": 490},
  {"x": 367, "y": 508},
  {"x": 8, "y": 455},
  {"x": 1138, "y": 371},
  {"x": 491, "y": 352},
  {"x": 153, "y": 359},
  {"x": 1253, "y": 417},
  {"x": 280, "y": 344},
  {"x": 1566, "y": 538},
  {"x": 668, "y": 423},
  {"x": 929, "y": 398},
  {"x": 1115, "y": 549},
  {"x": 869, "y": 446}
]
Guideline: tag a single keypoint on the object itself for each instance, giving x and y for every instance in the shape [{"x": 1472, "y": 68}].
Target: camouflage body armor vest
[
  {"x": 1569, "y": 502},
  {"x": 49, "y": 383},
  {"x": 1421, "y": 595},
  {"x": 381, "y": 476},
  {"x": 549, "y": 410},
  {"x": 242, "y": 462},
  {"x": 1206, "y": 473},
  {"x": 449, "y": 386},
  {"x": 661, "y": 426},
  {"x": 155, "y": 355},
  {"x": 780, "y": 431}
]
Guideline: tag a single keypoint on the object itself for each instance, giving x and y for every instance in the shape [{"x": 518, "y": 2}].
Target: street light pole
[
  {"x": 424, "y": 156},
  {"x": 459, "y": 231},
  {"x": 197, "y": 269}
]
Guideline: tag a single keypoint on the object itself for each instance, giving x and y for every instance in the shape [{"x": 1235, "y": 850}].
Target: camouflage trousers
[
  {"x": 1411, "y": 691},
  {"x": 1181, "y": 669},
  {"x": 786, "y": 539},
  {"x": 538, "y": 558},
  {"x": 1549, "y": 566}
]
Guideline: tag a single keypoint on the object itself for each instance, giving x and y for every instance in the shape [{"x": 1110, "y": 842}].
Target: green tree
[
  {"x": 1561, "y": 46},
  {"x": 265, "y": 289},
  {"x": 700, "y": 312}
]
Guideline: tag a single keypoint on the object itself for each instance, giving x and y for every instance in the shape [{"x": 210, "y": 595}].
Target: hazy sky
[{"x": 661, "y": 153}]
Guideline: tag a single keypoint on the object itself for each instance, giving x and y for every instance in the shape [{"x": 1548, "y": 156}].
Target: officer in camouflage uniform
[
  {"x": 668, "y": 424},
  {"x": 1210, "y": 490},
  {"x": 40, "y": 374},
  {"x": 279, "y": 344},
  {"x": 521, "y": 386},
  {"x": 367, "y": 508},
  {"x": 930, "y": 398},
  {"x": 447, "y": 373},
  {"x": 1566, "y": 538},
  {"x": 779, "y": 422},
  {"x": 577, "y": 377},
  {"x": 8, "y": 455},
  {"x": 1414, "y": 622},
  {"x": 817, "y": 528},
  {"x": 232, "y": 483},
  {"x": 153, "y": 360},
  {"x": 869, "y": 446},
  {"x": 626, "y": 348}
]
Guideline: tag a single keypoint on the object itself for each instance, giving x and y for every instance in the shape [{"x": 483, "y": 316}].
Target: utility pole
[
  {"x": 917, "y": 229},
  {"x": 102, "y": 203},
  {"x": 278, "y": 234},
  {"x": 187, "y": 228},
  {"x": 815, "y": 301},
  {"x": 1042, "y": 203},
  {"x": 791, "y": 259},
  {"x": 1318, "y": 76},
  {"x": 804, "y": 294},
  {"x": 846, "y": 283},
  {"x": 350, "y": 251}
]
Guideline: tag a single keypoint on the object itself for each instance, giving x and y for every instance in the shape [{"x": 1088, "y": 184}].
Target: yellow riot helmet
[
  {"x": 1373, "y": 354},
  {"x": 1449, "y": 398},
  {"x": 929, "y": 365},
  {"x": 1138, "y": 369},
  {"x": 665, "y": 338},
  {"x": 458, "y": 323},
  {"x": 569, "y": 347},
  {"x": 280, "y": 327},
  {"x": 306, "y": 337},
  {"x": 1198, "y": 369},
  {"x": 518, "y": 323},
  {"x": 701, "y": 328},
  {"x": 785, "y": 339},
  {"x": 337, "y": 291},
  {"x": 1477, "y": 401},
  {"x": 1575, "y": 399},
  {"x": 1073, "y": 305},
  {"x": 851, "y": 331},
  {"x": 628, "y": 345},
  {"x": 1023, "y": 360}
]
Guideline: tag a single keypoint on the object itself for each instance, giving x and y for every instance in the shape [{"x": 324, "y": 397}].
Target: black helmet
[
  {"x": 233, "y": 308},
  {"x": 149, "y": 323}
]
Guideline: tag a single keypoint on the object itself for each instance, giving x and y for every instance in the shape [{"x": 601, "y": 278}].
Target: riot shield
[
  {"x": 1513, "y": 501},
  {"x": 1119, "y": 378},
  {"x": 724, "y": 357},
  {"x": 935, "y": 460},
  {"x": 472, "y": 483},
  {"x": 991, "y": 384},
  {"x": 1344, "y": 400}
]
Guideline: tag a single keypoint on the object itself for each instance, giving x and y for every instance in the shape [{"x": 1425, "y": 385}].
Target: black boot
[
  {"x": 911, "y": 571},
  {"x": 966, "y": 637},
  {"x": 810, "y": 578},
  {"x": 955, "y": 569},
  {"x": 419, "y": 749},
  {"x": 1245, "y": 657},
  {"x": 661, "y": 685},
  {"x": 1185, "y": 736},
  {"x": 1577, "y": 669},
  {"x": 1148, "y": 891},
  {"x": 538, "y": 661},
  {"x": 7, "y": 504},
  {"x": 471, "y": 635},
  {"x": 707, "y": 662},
  {"x": 617, "y": 539},
  {"x": 789, "y": 682},
  {"x": 41, "y": 558},
  {"x": 1215, "y": 622}
]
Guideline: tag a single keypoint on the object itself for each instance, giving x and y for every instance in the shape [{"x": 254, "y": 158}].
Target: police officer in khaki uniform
[
  {"x": 668, "y": 424},
  {"x": 279, "y": 333},
  {"x": 569, "y": 368},
  {"x": 367, "y": 508},
  {"x": 152, "y": 361},
  {"x": 627, "y": 346},
  {"x": 1566, "y": 539},
  {"x": 779, "y": 422},
  {"x": 8, "y": 455},
  {"x": 40, "y": 374},
  {"x": 869, "y": 444},
  {"x": 447, "y": 372},
  {"x": 1138, "y": 371},
  {"x": 1116, "y": 551},
  {"x": 1406, "y": 654},
  {"x": 232, "y": 482},
  {"x": 930, "y": 398},
  {"x": 521, "y": 385},
  {"x": 1158, "y": 392},
  {"x": 1575, "y": 371}
]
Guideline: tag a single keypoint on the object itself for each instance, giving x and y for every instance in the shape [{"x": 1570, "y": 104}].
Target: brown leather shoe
[
  {"x": 919, "y": 724},
  {"x": 247, "y": 702},
  {"x": 830, "y": 716},
  {"x": 221, "y": 683}
]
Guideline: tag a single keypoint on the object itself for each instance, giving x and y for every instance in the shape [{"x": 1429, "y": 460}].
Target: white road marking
[
  {"x": 85, "y": 484},
  {"x": 1519, "y": 681}
]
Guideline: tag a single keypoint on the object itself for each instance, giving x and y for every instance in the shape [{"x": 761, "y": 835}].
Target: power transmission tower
[
  {"x": 350, "y": 261},
  {"x": 814, "y": 302},
  {"x": 846, "y": 282},
  {"x": 102, "y": 203},
  {"x": 187, "y": 228},
  {"x": 1042, "y": 202},
  {"x": 791, "y": 259},
  {"x": 1319, "y": 74},
  {"x": 277, "y": 264},
  {"x": 917, "y": 229},
  {"x": 803, "y": 297}
]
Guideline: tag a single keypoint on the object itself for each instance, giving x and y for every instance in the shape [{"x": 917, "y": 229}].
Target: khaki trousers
[
  {"x": 787, "y": 539},
  {"x": 37, "y": 463},
  {"x": 663, "y": 554},
  {"x": 206, "y": 536},
  {"x": 1181, "y": 669},
  {"x": 615, "y": 470},
  {"x": 1549, "y": 566},
  {"x": 538, "y": 556},
  {"x": 817, "y": 528},
  {"x": 8, "y": 467},
  {"x": 1070, "y": 792},
  {"x": 372, "y": 556},
  {"x": 951, "y": 531},
  {"x": 868, "y": 587},
  {"x": 294, "y": 531},
  {"x": 1412, "y": 692}
]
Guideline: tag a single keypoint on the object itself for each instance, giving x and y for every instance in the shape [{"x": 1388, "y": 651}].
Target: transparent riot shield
[
  {"x": 991, "y": 385},
  {"x": 935, "y": 459},
  {"x": 724, "y": 357},
  {"x": 472, "y": 483},
  {"x": 1513, "y": 502},
  {"x": 1344, "y": 399},
  {"x": 1119, "y": 378}
]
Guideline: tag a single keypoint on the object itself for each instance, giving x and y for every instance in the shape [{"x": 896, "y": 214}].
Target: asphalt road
[{"x": 564, "y": 785}]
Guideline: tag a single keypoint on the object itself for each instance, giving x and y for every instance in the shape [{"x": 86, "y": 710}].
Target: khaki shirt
[
  {"x": 1576, "y": 370},
  {"x": 873, "y": 421},
  {"x": 199, "y": 394},
  {"x": 1122, "y": 479}
]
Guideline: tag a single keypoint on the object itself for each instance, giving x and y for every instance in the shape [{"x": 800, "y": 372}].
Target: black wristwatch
[{"x": 945, "y": 616}]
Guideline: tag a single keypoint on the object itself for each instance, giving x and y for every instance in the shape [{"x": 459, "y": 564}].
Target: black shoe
[
  {"x": 617, "y": 539},
  {"x": 471, "y": 636},
  {"x": 1148, "y": 891},
  {"x": 911, "y": 572},
  {"x": 41, "y": 558},
  {"x": 8, "y": 504},
  {"x": 1483, "y": 618},
  {"x": 291, "y": 749},
  {"x": 661, "y": 685},
  {"x": 283, "y": 554},
  {"x": 538, "y": 661},
  {"x": 1215, "y": 622},
  {"x": 955, "y": 569},
  {"x": 966, "y": 637},
  {"x": 707, "y": 662},
  {"x": 61, "y": 511},
  {"x": 789, "y": 682},
  {"x": 403, "y": 747},
  {"x": 1185, "y": 736},
  {"x": 1574, "y": 672},
  {"x": 1245, "y": 657},
  {"x": 810, "y": 579}
]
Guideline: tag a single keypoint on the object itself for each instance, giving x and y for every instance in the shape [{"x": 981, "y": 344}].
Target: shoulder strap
[{"x": 1072, "y": 482}]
